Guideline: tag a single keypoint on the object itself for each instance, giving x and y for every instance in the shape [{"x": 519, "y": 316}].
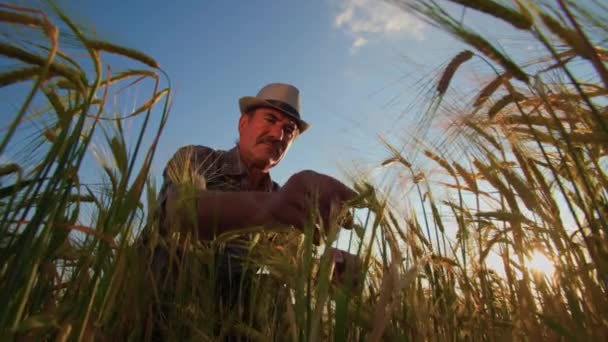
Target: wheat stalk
[
  {"x": 487, "y": 91},
  {"x": 23, "y": 19},
  {"x": 30, "y": 58},
  {"x": 503, "y": 102},
  {"x": 489, "y": 50},
  {"x": 449, "y": 72},
  {"x": 123, "y": 51},
  {"x": 506, "y": 14},
  {"x": 19, "y": 75}
]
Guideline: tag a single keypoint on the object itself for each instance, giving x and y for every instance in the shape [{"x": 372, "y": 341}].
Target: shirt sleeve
[
  {"x": 184, "y": 177},
  {"x": 188, "y": 166}
]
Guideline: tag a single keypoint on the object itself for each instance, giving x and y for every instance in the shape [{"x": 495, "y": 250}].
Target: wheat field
[{"x": 518, "y": 176}]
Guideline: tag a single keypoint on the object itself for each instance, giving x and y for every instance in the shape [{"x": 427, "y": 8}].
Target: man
[
  {"x": 239, "y": 192},
  {"x": 213, "y": 192}
]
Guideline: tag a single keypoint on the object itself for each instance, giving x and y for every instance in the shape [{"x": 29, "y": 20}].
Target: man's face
[{"x": 265, "y": 137}]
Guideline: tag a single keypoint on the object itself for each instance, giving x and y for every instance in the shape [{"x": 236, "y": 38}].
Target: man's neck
[{"x": 256, "y": 178}]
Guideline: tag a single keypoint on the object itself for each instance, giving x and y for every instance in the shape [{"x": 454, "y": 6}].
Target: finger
[
  {"x": 347, "y": 194},
  {"x": 347, "y": 221},
  {"x": 316, "y": 237},
  {"x": 332, "y": 212}
]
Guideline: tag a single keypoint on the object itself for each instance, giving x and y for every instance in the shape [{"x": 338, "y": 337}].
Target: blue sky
[
  {"x": 364, "y": 69},
  {"x": 357, "y": 64}
]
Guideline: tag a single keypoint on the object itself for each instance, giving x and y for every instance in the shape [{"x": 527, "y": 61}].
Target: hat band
[{"x": 285, "y": 107}]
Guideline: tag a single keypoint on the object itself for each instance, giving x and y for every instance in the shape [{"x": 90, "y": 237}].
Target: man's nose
[{"x": 277, "y": 133}]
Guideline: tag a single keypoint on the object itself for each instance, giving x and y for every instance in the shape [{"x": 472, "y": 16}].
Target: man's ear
[{"x": 243, "y": 121}]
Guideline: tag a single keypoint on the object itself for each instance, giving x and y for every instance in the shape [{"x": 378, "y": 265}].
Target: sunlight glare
[{"x": 539, "y": 262}]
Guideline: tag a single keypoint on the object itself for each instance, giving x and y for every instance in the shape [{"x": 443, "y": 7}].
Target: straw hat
[{"x": 280, "y": 96}]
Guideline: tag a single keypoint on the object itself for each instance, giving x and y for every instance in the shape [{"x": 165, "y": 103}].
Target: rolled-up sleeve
[{"x": 183, "y": 178}]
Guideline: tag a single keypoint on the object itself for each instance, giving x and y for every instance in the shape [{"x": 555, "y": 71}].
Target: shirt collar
[{"x": 235, "y": 167}]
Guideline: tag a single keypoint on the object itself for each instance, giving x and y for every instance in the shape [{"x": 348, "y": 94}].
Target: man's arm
[
  {"x": 212, "y": 213},
  {"x": 217, "y": 212}
]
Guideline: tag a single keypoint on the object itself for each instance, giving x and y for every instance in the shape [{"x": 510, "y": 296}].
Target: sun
[{"x": 538, "y": 262}]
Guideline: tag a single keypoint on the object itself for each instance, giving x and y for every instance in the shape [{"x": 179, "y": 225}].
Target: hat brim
[{"x": 249, "y": 102}]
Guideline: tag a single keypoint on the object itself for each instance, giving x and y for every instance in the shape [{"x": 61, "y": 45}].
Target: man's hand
[
  {"x": 297, "y": 199},
  {"x": 347, "y": 268}
]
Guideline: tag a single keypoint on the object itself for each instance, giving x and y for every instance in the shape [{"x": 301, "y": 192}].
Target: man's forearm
[
  {"x": 223, "y": 211},
  {"x": 212, "y": 213}
]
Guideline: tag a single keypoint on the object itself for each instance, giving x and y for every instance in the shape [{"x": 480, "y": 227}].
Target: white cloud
[
  {"x": 372, "y": 19},
  {"x": 359, "y": 42}
]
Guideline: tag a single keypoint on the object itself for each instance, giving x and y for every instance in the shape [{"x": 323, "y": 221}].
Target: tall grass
[
  {"x": 54, "y": 282},
  {"x": 530, "y": 179}
]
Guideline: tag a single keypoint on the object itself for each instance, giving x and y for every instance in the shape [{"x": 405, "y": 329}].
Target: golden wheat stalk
[
  {"x": 23, "y": 19},
  {"x": 441, "y": 161},
  {"x": 534, "y": 120},
  {"x": 449, "y": 72},
  {"x": 123, "y": 51},
  {"x": 468, "y": 177},
  {"x": 503, "y": 102},
  {"x": 18, "y": 18},
  {"x": 57, "y": 104},
  {"x": 489, "y": 50},
  {"x": 146, "y": 106},
  {"x": 18, "y": 75},
  {"x": 487, "y": 91},
  {"x": 127, "y": 74},
  {"x": 567, "y": 35},
  {"x": 507, "y": 14},
  {"x": 30, "y": 58},
  {"x": 600, "y": 68}
]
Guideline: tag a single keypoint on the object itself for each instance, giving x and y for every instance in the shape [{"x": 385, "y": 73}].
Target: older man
[
  {"x": 233, "y": 189},
  {"x": 239, "y": 192}
]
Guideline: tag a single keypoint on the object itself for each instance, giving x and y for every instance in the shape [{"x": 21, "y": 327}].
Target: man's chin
[
  {"x": 272, "y": 162},
  {"x": 265, "y": 163}
]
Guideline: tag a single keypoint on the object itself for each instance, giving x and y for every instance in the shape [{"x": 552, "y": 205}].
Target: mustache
[{"x": 269, "y": 140}]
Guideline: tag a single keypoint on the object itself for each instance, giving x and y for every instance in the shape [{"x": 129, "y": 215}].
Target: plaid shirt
[
  {"x": 207, "y": 169},
  {"x": 210, "y": 169}
]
